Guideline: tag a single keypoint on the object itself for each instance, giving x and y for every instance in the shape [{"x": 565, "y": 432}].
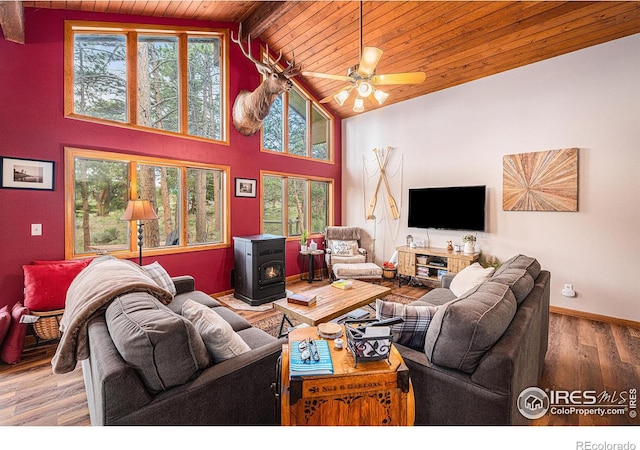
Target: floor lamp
[{"x": 139, "y": 210}]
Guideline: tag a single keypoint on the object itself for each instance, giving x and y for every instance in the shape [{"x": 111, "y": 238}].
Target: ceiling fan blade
[
  {"x": 399, "y": 78},
  {"x": 369, "y": 61},
  {"x": 327, "y": 75}
]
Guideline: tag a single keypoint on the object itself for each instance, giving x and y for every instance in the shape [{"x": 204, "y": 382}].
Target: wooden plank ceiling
[{"x": 453, "y": 42}]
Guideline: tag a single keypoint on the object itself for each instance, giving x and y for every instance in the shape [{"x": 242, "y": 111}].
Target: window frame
[
  {"x": 131, "y": 31},
  {"x": 71, "y": 153},
  {"x": 308, "y": 220},
  {"x": 311, "y": 102}
]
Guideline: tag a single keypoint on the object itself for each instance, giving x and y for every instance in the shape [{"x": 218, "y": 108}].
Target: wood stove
[{"x": 259, "y": 273}]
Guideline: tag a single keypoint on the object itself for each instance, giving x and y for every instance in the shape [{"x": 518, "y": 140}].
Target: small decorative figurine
[{"x": 449, "y": 246}]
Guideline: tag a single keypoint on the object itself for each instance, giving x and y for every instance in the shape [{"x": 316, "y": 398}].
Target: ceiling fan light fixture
[
  {"x": 364, "y": 88},
  {"x": 380, "y": 96},
  {"x": 358, "y": 105},
  {"x": 341, "y": 96}
]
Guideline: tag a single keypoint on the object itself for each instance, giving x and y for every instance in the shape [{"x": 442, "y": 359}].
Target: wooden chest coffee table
[
  {"x": 331, "y": 302},
  {"x": 373, "y": 393}
]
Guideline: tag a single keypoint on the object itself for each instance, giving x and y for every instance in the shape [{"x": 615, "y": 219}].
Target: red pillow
[
  {"x": 5, "y": 321},
  {"x": 46, "y": 285},
  {"x": 11, "y": 350}
]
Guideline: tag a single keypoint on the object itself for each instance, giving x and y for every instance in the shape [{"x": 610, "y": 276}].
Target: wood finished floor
[{"x": 583, "y": 354}]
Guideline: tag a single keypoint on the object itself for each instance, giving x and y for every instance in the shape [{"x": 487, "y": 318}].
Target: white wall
[{"x": 588, "y": 99}]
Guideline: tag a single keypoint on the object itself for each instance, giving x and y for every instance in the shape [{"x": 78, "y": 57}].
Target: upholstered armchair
[{"x": 342, "y": 246}]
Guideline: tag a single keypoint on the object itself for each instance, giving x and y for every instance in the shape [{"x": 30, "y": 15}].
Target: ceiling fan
[{"x": 363, "y": 78}]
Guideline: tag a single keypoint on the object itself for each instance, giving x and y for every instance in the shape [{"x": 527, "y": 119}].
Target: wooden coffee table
[{"x": 331, "y": 302}]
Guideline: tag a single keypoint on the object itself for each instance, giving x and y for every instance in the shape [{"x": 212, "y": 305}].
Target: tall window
[
  {"x": 166, "y": 80},
  {"x": 189, "y": 198},
  {"x": 298, "y": 126},
  {"x": 293, "y": 203}
]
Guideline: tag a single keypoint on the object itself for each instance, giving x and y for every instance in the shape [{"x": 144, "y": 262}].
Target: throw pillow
[
  {"x": 162, "y": 347},
  {"x": 5, "y": 322},
  {"x": 344, "y": 248},
  {"x": 46, "y": 285},
  {"x": 11, "y": 350},
  {"x": 217, "y": 334},
  {"x": 158, "y": 274},
  {"x": 470, "y": 277},
  {"x": 412, "y": 331}
]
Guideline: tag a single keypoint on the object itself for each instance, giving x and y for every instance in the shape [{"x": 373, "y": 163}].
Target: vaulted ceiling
[{"x": 453, "y": 42}]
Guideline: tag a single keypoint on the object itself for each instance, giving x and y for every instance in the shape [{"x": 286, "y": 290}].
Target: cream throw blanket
[{"x": 89, "y": 294}]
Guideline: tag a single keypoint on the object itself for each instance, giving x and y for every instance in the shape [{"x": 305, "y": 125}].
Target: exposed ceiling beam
[
  {"x": 265, "y": 16},
  {"x": 12, "y": 20}
]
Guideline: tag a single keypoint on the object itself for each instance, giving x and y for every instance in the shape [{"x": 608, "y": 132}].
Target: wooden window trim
[
  {"x": 70, "y": 153},
  {"x": 311, "y": 101},
  {"x": 131, "y": 31},
  {"x": 285, "y": 176}
]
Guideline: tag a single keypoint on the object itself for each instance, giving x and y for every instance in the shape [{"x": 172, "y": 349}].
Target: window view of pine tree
[
  {"x": 272, "y": 195},
  {"x": 101, "y": 71},
  {"x": 297, "y": 206},
  {"x": 297, "y": 124},
  {"x": 100, "y": 76},
  {"x": 100, "y": 200},
  {"x": 204, "y": 206},
  {"x": 319, "y": 135},
  {"x": 161, "y": 186},
  {"x": 205, "y": 101},
  {"x": 319, "y": 206},
  {"x": 272, "y": 126},
  {"x": 158, "y": 87}
]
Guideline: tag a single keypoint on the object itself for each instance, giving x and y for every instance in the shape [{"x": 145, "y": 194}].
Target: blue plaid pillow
[{"x": 411, "y": 333}]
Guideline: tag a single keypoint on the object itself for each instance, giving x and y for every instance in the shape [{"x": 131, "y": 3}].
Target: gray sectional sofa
[
  {"x": 461, "y": 377},
  {"x": 176, "y": 384}
]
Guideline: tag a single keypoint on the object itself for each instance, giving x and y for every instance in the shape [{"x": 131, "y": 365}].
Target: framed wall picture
[
  {"x": 246, "y": 187},
  {"x": 27, "y": 174}
]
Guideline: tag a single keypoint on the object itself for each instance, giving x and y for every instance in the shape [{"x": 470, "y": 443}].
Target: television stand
[{"x": 427, "y": 264}]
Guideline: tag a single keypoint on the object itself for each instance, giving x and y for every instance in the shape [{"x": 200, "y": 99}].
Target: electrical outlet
[
  {"x": 36, "y": 229},
  {"x": 568, "y": 291}
]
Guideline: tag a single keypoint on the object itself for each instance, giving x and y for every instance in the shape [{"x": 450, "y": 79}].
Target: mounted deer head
[{"x": 250, "y": 108}]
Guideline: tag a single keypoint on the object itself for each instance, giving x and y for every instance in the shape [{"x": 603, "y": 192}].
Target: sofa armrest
[
  {"x": 238, "y": 391},
  {"x": 184, "y": 283},
  {"x": 115, "y": 389},
  {"x": 445, "y": 282}
]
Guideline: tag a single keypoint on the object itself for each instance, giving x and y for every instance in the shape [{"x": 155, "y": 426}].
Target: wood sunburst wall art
[{"x": 540, "y": 181}]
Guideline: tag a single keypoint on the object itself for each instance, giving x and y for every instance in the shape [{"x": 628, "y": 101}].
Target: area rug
[{"x": 272, "y": 324}]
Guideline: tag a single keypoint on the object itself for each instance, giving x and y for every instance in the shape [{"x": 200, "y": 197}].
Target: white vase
[
  {"x": 469, "y": 247},
  {"x": 313, "y": 246},
  {"x": 303, "y": 248}
]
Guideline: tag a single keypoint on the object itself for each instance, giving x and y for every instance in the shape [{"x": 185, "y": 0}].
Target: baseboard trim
[{"x": 596, "y": 317}]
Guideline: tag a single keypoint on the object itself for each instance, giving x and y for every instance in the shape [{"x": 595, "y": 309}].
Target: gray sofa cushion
[
  {"x": 164, "y": 348},
  {"x": 462, "y": 330},
  {"x": 528, "y": 263},
  {"x": 437, "y": 296},
  {"x": 519, "y": 280}
]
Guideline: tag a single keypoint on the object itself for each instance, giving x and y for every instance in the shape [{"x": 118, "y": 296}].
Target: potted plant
[
  {"x": 303, "y": 241},
  {"x": 469, "y": 243}
]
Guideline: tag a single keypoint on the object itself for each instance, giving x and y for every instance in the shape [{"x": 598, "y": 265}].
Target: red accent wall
[{"x": 32, "y": 125}]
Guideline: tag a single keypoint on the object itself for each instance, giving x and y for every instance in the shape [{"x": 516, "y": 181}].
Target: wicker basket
[
  {"x": 389, "y": 274},
  {"x": 47, "y": 327}
]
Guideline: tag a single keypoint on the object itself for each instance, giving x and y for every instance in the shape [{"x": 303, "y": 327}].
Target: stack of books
[
  {"x": 300, "y": 368},
  {"x": 301, "y": 299}
]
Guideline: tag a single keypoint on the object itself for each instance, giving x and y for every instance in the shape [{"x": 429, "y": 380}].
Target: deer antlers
[{"x": 291, "y": 71}]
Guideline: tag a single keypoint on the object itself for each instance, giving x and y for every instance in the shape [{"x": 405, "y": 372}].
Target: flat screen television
[{"x": 449, "y": 208}]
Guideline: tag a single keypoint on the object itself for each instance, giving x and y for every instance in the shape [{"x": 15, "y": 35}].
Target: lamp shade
[{"x": 139, "y": 210}]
